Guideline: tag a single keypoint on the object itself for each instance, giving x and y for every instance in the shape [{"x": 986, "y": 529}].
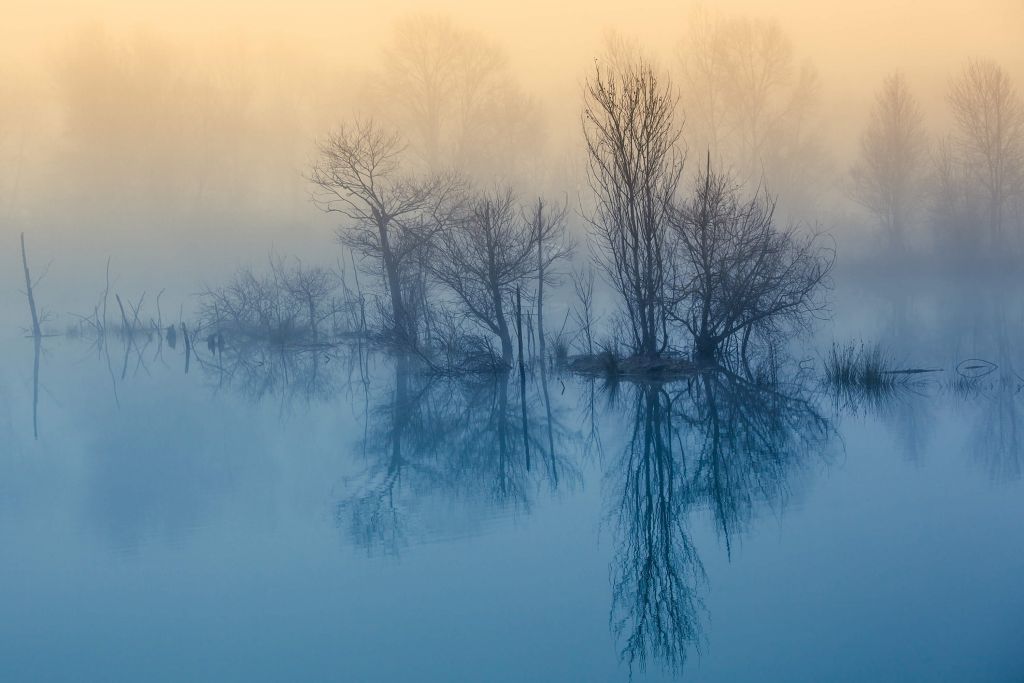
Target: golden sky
[
  {"x": 545, "y": 37},
  {"x": 550, "y": 44},
  {"x": 304, "y": 60}
]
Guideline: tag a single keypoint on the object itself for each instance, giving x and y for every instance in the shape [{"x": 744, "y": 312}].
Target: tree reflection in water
[
  {"x": 997, "y": 438},
  {"x": 656, "y": 572},
  {"x": 461, "y": 439},
  {"x": 718, "y": 441},
  {"x": 291, "y": 375}
]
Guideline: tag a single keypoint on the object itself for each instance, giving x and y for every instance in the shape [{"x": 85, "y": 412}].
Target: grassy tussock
[{"x": 862, "y": 367}]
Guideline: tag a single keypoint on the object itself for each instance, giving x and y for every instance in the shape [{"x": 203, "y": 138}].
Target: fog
[
  {"x": 533, "y": 341},
  {"x": 174, "y": 137}
]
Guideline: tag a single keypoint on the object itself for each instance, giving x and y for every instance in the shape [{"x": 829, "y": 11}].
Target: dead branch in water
[
  {"x": 124, "y": 318},
  {"x": 36, "y": 332}
]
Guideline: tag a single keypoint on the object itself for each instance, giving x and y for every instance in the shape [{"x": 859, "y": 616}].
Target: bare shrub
[{"x": 742, "y": 277}]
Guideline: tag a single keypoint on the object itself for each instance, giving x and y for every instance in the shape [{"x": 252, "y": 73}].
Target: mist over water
[
  {"x": 249, "y": 441},
  {"x": 395, "y": 525}
]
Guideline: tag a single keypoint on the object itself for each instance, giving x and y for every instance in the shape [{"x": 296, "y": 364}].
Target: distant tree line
[{"x": 969, "y": 185}]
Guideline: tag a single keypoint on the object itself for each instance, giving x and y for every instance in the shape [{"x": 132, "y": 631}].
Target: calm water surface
[{"x": 329, "y": 515}]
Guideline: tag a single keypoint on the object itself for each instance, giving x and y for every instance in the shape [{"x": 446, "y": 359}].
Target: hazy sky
[
  {"x": 546, "y": 39},
  {"x": 320, "y": 49},
  {"x": 550, "y": 44}
]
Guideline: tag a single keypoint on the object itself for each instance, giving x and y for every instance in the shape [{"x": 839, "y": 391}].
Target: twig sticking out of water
[{"x": 36, "y": 332}]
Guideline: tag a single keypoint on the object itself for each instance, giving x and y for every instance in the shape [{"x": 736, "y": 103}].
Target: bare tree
[
  {"x": 483, "y": 256},
  {"x": 990, "y": 138},
  {"x": 742, "y": 275},
  {"x": 952, "y": 203},
  {"x": 887, "y": 179},
  {"x": 634, "y": 168},
  {"x": 285, "y": 306},
  {"x": 454, "y": 92},
  {"x": 583, "y": 313},
  {"x": 313, "y": 288},
  {"x": 392, "y": 217},
  {"x": 547, "y": 224},
  {"x": 749, "y": 101}
]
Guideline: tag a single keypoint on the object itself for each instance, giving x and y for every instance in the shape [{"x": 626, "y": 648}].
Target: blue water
[{"x": 335, "y": 518}]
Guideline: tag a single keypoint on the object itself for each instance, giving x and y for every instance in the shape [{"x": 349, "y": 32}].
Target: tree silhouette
[
  {"x": 742, "y": 278},
  {"x": 454, "y": 94},
  {"x": 634, "y": 168},
  {"x": 989, "y": 141},
  {"x": 750, "y": 102},
  {"x": 887, "y": 178},
  {"x": 392, "y": 216}
]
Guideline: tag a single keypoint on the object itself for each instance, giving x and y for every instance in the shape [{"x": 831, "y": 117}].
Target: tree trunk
[
  {"x": 402, "y": 329},
  {"x": 704, "y": 348},
  {"x": 507, "y": 353},
  {"x": 519, "y": 331},
  {"x": 504, "y": 334},
  {"x": 540, "y": 288}
]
